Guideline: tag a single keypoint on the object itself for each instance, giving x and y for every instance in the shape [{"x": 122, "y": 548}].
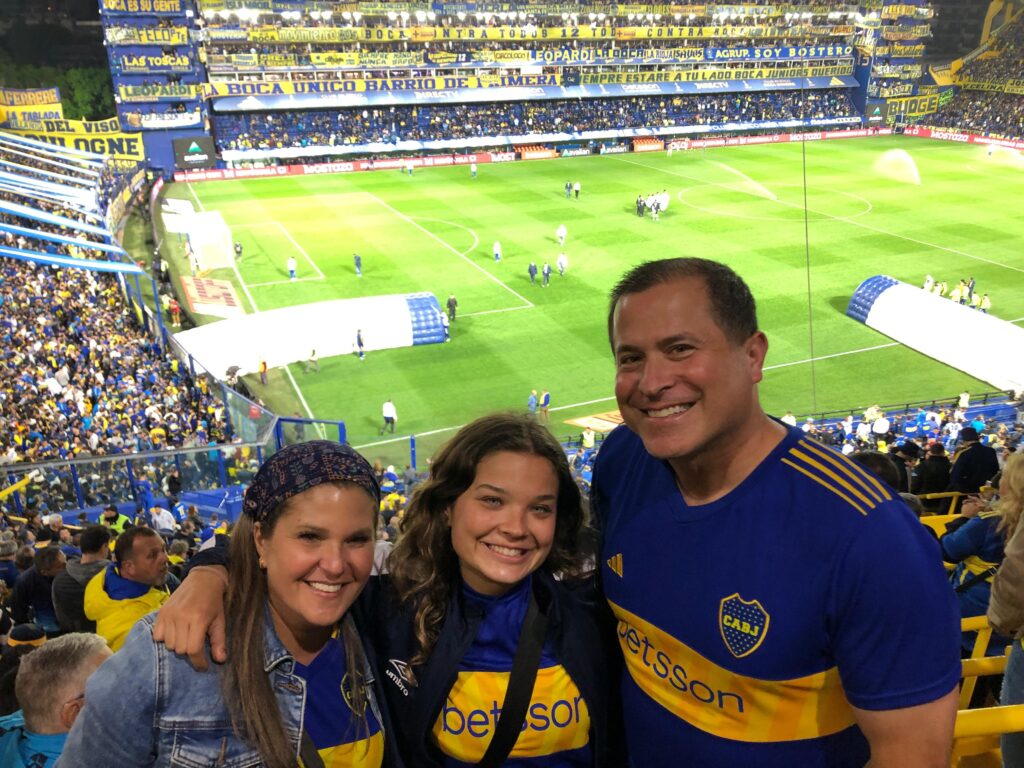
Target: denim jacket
[{"x": 146, "y": 706}]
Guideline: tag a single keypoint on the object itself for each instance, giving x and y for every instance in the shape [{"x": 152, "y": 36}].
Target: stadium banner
[
  {"x": 15, "y": 116},
  {"x": 915, "y": 106},
  {"x": 900, "y": 51},
  {"x": 907, "y": 33},
  {"x": 223, "y": 35},
  {"x": 1007, "y": 86},
  {"x": 389, "y": 58},
  {"x": 248, "y": 102},
  {"x": 157, "y": 92},
  {"x": 427, "y": 34},
  {"x": 895, "y": 11},
  {"x": 218, "y": 89},
  {"x": 713, "y": 73},
  {"x": 159, "y": 63},
  {"x": 308, "y": 34},
  {"x": 779, "y": 138},
  {"x": 337, "y": 59},
  {"x": 946, "y": 134},
  {"x": 279, "y": 60},
  {"x": 103, "y": 137},
  {"x": 161, "y": 121},
  {"x": 29, "y": 97},
  {"x": 146, "y": 35},
  {"x": 687, "y": 33},
  {"x": 315, "y": 169},
  {"x": 779, "y": 53},
  {"x": 431, "y": 161},
  {"x": 892, "y": 91},
  {"x": 155, "y": 7}
]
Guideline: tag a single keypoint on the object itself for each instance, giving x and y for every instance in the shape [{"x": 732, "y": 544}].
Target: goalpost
[{"x": 210, "y": 244}]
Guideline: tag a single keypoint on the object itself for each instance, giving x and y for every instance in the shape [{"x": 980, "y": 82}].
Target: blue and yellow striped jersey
[
  {"x": 753, "y": 624},
  {"x": 556, "y": 731},
  {"x": 337, "y": 732}
]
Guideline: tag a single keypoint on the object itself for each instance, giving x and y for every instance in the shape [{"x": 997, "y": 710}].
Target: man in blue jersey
[{"x": 791, "y": 610}]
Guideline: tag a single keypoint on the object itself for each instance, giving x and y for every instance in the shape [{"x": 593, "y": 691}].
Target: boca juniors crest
[{"x": 743, "y": 624}]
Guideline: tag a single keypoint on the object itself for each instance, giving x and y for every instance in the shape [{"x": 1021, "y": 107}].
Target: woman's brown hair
[
  {"x": 424, "y": 566},
  {"x": 255, "y": 714}
]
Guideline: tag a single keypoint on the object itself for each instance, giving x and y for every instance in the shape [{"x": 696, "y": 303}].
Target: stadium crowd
[
  {"x": 1007, "y": 63},
  {"x": 424, "y": 123},
  {"x": 997, "y": 114},
  {"x": 80, "y": 378}
]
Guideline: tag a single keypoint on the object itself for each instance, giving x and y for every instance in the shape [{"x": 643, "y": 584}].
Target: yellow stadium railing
[{"x": 977, "y": 731}]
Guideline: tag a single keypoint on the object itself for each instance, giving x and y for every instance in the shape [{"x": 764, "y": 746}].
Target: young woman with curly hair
[{"x": 494, "y": 560}]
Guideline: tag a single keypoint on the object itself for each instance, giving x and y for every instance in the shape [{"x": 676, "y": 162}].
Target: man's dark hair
[
  {"x": 95, "y": 538},
  {"x": 47, "y": 557},
  {"x": 126, "y": 542},
  {"x": 880, "y": 464},
  {"x": 732, "y": 305}
]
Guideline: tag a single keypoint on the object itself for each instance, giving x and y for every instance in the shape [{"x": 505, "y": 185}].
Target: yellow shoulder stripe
[
  {"x": 851, "y": 468},
  {"x": 822, "y": 481}
]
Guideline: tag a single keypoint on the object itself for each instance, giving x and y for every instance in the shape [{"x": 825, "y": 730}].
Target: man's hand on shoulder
[{"x": 193, "y": 612}]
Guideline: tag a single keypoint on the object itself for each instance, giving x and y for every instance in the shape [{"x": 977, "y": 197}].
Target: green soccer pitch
[{"x": 434, "y": 231}]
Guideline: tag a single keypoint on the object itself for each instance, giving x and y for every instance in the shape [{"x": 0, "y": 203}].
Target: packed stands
[
  {"x": 393, "y": 124},
  {"x": 1000, "y": 114}
]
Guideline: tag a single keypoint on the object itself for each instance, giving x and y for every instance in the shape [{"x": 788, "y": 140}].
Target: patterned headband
[{"x": 297, "y": 468}]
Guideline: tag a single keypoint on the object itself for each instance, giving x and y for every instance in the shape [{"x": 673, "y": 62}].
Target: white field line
[
  {"x": 462, "y": 256},
  {"x": 830, "y": 216},
  {"x": 286, "y": 282},
  {"x": 294, "y": 242},
  {"x": 612, "y": 398},
  {"x": 238, "y": 275},
  {"x": 300, "y": 248},
  {"x": 287, "y": 370},
  {"x": 491, "y": 311}
]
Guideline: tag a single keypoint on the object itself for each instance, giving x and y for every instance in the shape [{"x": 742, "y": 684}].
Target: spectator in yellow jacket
[{"x": 130, "y": 587}]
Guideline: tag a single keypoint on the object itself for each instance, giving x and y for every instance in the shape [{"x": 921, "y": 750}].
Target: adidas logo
[{"x": 615, "y": 563}]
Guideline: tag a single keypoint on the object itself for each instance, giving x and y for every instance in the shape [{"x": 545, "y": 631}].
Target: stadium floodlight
[
  {"x": 346, "y": 15},
  {"x": 404, "y": 15},
  {"x": 676, "y": 16},
  {"x": 421, "y": 16},
  {"x": 431, "y": 15},
  {"x": 392, "y": 15},
  {"x": 650, "y": 17},
  {"x": 565, "y": 17},
  {"x": 600, "y": 17},
  {"x": 326, "y": 15},
  {"x": 522, "y": 15},
  {"x": 592, "y": 16},
  {"x": 692, "y": 16},
  {"x": 461, "y": 16},
  {"x": 357, "y": 16}
]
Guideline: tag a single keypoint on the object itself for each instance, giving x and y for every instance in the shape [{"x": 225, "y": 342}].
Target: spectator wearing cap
[
  {"x": 932, "y": 476},
  {"x": 114, "y": 519},
  {"x": 8, "y": 549},
  {"x": 973, "y": 465},
  {"x": 129, "y": 588},
  {"x": 32, "y": 599},
  {"x": 50, "y": 688},
  {"x": 905, "y": 456},
  {"x": 69, "y": 586}
]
